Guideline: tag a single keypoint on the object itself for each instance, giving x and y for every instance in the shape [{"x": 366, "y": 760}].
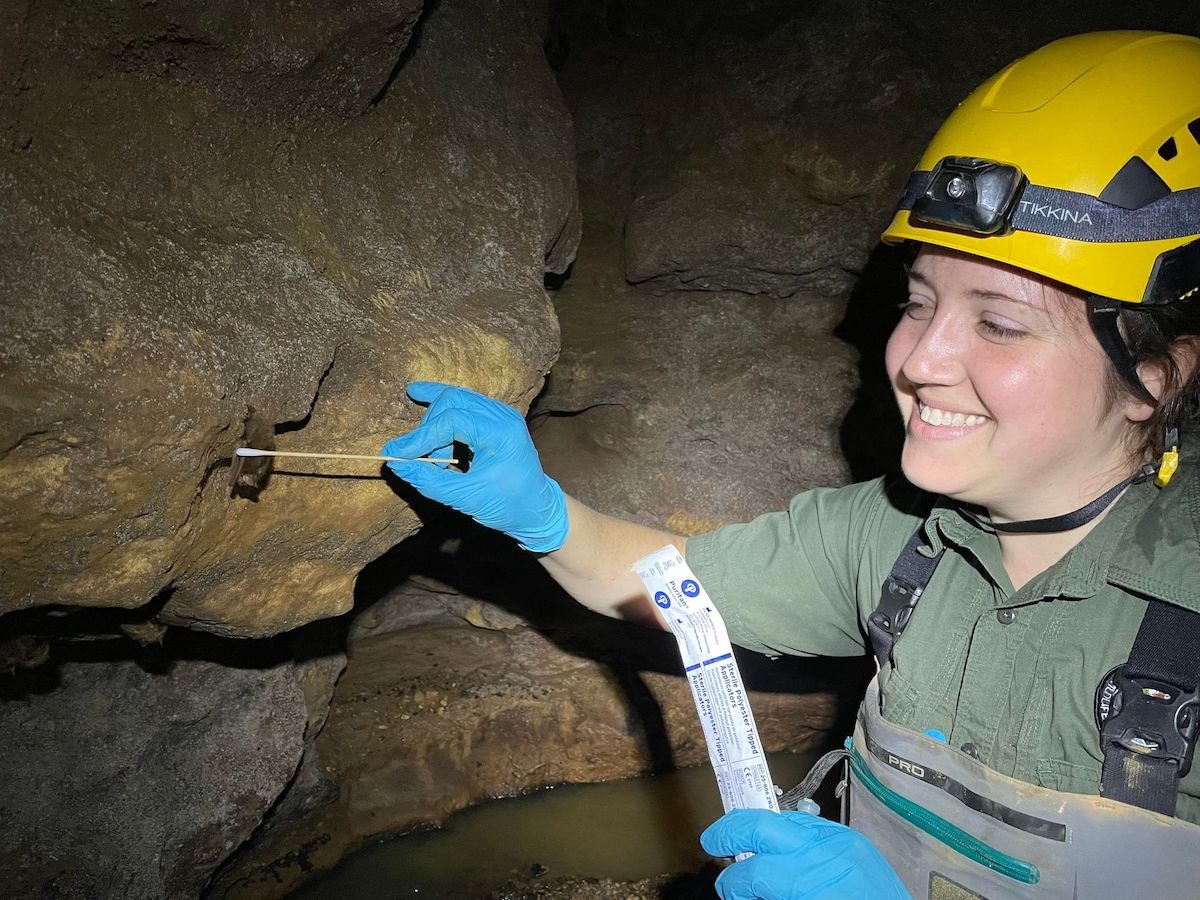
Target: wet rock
[
  {"x": 230, "y": 224},
  {"x": 668, "y": 887}
]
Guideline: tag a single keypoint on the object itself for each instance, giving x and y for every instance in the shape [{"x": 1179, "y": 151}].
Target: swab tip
[{"x": 248, "y": 451}]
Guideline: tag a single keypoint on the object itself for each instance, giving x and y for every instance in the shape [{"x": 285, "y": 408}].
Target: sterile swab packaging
[{"x": 734, "y": 748}]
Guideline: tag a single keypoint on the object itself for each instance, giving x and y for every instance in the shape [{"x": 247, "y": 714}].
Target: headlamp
[{"x": 973, "y": 195}]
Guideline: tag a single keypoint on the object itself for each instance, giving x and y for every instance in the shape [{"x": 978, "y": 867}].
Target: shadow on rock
[
  {"x": 474, "y": 562},
  {"x": 871, "y": 433}
]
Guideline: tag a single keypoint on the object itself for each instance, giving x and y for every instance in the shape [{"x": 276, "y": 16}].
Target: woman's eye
[
  {"x": 995, "y": 329},
  {"x": 916, "y": 309}
]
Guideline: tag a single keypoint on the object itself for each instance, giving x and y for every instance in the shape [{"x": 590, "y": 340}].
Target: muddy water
[{"x": 626, "y": 830}]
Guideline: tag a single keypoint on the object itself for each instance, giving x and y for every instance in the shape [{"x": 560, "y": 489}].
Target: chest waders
[{"x": 954, "y": 829}]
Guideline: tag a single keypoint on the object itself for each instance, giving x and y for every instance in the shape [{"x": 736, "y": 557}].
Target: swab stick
[{"x": 251, "y": 451}]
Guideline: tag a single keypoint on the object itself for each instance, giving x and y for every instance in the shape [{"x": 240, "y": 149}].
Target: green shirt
[{"x": 1013, "y": 673}]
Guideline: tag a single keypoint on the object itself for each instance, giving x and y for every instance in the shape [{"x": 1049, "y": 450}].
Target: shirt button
[
  {"x": 1006, "y": 616},
  {"x": 971, "y": 750}
]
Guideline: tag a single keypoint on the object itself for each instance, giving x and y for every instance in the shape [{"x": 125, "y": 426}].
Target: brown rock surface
[
  {"x": 260, "y": 226},
  {"x": 668, "y": 887},
  {"x": 774, "y": 138},
  {"x": 226, "y": 223},
  {"x": 177, "y": 768},
  {"x": 489, "y": 684}
]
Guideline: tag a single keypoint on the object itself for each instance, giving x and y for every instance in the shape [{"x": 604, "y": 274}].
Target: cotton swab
[{"x": 251, "y": 451}]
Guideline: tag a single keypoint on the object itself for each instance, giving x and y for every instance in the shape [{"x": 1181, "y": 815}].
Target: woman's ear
[
  {"x": 1163, "y": 377},
  {"x": 1185, "y": 352},
  {"x": 1157, "y": 377}
]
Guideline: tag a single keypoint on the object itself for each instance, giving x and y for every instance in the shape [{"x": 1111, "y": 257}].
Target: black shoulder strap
[
  {"x": 901, "y": 590},
  {"x": 1149, "y": 734}
]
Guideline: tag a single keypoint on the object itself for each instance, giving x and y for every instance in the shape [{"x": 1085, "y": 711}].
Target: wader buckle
[{"x": 1151, "y": 718}]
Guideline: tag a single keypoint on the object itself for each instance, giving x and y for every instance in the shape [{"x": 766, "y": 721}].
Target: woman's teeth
[{"x": 955, "y": 420}]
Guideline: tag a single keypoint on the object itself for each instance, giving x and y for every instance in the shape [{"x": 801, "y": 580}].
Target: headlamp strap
[{"x": 1080, "y": 217}]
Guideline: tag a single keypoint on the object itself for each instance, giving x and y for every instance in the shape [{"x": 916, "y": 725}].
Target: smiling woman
[
  {"x": 1001, "y": 386},
  {"x": 1037, "y": 711}
]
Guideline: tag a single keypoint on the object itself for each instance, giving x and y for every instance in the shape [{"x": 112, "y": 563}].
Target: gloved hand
[
  {"x": 504, "y": 487},
  {"x": 797, "y": 855}
]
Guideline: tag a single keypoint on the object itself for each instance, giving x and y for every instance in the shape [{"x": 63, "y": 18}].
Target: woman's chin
[{"x": 936, "y": 479}]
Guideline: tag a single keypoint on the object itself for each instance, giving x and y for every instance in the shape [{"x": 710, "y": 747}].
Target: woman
[{"x": 1031, "y": 734}]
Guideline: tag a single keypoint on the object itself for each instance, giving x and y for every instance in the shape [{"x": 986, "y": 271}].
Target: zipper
[{"x": 934, "y": 825}]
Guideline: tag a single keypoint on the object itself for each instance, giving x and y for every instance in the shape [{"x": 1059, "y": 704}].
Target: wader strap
[
  {"x": 901, "y": 590},
  {"x": 1149, "y": 735}
]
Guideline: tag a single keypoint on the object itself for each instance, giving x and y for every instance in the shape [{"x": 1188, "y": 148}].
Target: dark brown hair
[{"x": 1152, "y": 333}]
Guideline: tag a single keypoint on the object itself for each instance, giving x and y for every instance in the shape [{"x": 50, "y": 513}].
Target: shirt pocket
[
  {"x": 897, "y": 697},
  {"x": 923, "y": 680}
]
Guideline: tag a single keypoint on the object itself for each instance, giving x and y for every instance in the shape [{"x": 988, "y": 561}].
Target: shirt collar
[
  {"x": 1146, "y": 543},
  {"x": 1158, "y": 555}
]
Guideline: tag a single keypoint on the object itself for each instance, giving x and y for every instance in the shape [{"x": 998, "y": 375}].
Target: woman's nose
[{"x": 936, "y": 357}]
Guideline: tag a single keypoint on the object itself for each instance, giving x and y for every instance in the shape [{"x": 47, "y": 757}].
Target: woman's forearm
[{"x": 594, "y": 565}]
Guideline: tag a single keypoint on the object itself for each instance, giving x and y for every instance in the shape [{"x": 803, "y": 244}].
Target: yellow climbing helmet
[{"x": 1079, "y": 162}]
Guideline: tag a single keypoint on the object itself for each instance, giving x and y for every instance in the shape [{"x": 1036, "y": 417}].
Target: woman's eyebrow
[
  {"x": 973, "y": 293},
  {"x": 914, "y": 275},
  {"x": 979, "y": 294}
]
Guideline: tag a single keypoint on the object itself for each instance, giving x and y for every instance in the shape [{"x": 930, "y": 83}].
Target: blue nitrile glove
[
  {"x": 504, "y": 487},
  {"x": 797, "y": 855}
]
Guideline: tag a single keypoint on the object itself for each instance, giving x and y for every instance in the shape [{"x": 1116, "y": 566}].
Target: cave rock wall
[{"x": 231, "y": 222}]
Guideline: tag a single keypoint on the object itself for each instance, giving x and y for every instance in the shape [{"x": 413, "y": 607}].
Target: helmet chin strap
[
  {"x": 1161, "y": 473},
  {"x": 1078, "y": 517},
  {"x": 1102, "y": 315}
]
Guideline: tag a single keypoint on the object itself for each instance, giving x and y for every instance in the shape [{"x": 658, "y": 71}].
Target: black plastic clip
[
  {"x": 1151, "y": 718},
  {"x": 896, "y": 603}
]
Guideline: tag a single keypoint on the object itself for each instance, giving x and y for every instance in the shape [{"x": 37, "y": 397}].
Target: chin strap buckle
[{"x": 1170, "y": 458}]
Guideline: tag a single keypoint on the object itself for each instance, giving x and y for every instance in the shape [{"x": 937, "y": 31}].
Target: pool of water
[{"x": 624, "y": 830}]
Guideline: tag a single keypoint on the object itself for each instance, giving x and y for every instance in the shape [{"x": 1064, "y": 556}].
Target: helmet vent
[
  {"x": 1194, "y": 128},
  {"x": 1135, "y": 186},
  {"x": 1168, "y": 150}
]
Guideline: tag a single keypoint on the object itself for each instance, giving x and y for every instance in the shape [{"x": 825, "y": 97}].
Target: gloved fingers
[
  {"x": 795, "y": 876},
  {"x": 437, "y": 433},
  {"x": 430, "y": 480},
  {"x": 493, "y": 431},
  {"x": 763, "y": 831},
  {"x": 416, "y": 443},
  {"x": 483, "y": 423},
  {"x": 758, "y": 878},
  {"x": 426, "y": 392}
]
